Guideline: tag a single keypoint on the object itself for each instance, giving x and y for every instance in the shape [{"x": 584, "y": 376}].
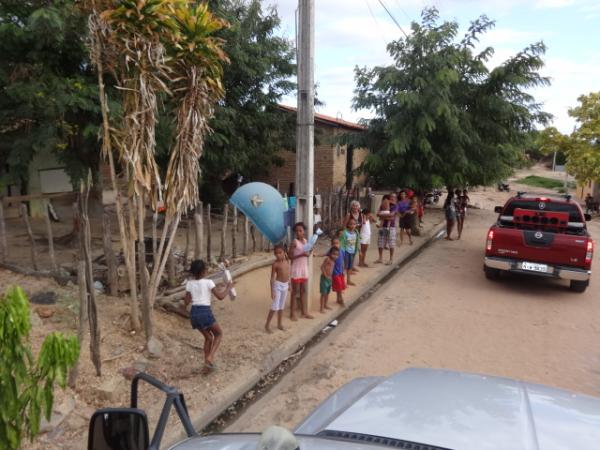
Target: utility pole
[{"x": 305, "y": 122}]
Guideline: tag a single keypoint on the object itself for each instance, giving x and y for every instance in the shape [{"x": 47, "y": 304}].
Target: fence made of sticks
[{"x": 213, "y": 233}]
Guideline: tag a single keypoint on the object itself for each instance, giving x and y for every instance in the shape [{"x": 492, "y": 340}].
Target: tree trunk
[
  {"x": 143, "y": 275},
  {"x": 154, "y": 237},
  {"x": 34, "y": 257},
  {"x": 208, "y": 235},
  {"x": 171, "y": 225},
  {"x": 89, "y": 275},
  {"x": 224, "y": 231},
  {"x": 234, "y": 233},
  {"x": 50, "y": 237},
  {"x": 107, "y": 153},
  {"x": 3, "y": 244},
  {"x": 199, "y": 231}
]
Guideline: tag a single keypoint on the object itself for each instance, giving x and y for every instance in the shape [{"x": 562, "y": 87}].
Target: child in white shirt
[{"x": 199, "y": 291}]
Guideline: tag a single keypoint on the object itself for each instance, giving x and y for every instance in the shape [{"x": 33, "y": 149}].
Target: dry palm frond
[{"x": 197, "y": 78}]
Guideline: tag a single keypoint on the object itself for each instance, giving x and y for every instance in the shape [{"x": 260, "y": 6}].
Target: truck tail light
[
  {"x": 490, "y": 240},
  {"x": 589, "y": 253}
]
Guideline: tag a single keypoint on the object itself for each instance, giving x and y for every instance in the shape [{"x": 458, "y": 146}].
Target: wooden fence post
[
  {"x": 109, "y": 255},
  {"x": 224, "y": 231},
  {"x": 50, "y": 237},
  {"x": 208, "y": 235},
  {"x": 199, "y": 231},
  {"x": 188, "y": 226},
  {"x": 253, "y": 238},
  {"x": 246, "y": 234},
  {"x": 34, "y": 258},
  {"x": 171, "y": 269},
  {"x": 3, "y": 242},
  {"x": 234, "y": 233}
]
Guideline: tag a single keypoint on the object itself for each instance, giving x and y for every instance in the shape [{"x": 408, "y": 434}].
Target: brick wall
[{"x": 330, "y": 164}]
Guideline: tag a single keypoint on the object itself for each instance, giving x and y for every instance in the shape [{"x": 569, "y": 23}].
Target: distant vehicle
[
  {"x": 542, "y": 235},
  {"x": 503, "y": 186},
  {"x": 432, "y": 197},
  {"x": 424, "y": 409}
]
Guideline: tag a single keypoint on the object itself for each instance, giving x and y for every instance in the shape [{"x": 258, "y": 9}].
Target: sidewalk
[{"x": 248, "y": 352}]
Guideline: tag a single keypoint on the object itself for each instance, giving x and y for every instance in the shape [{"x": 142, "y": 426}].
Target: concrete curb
[{"x": 276, "y": 357}]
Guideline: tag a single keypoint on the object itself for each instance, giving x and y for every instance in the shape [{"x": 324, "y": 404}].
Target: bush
[
  {"x": 27, "y": 384},
  {"x": 541, "y": 182}
]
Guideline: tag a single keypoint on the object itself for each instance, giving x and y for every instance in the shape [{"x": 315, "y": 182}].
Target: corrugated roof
[{"x": 328, "y": 120}]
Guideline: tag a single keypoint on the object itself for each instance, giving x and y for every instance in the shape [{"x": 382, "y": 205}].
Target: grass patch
[{"x": 542, "y": 182}]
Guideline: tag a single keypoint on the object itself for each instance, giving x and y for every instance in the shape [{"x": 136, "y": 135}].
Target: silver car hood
[{"x": 463, "y": 411}]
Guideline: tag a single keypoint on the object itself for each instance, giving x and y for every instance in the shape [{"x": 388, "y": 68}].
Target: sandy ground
[
  {"x": 442, "y": 312},
  {"x": 245, "y": 348}
]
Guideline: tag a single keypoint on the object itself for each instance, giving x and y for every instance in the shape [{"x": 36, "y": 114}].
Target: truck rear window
[{"x": 574, "y": 214}]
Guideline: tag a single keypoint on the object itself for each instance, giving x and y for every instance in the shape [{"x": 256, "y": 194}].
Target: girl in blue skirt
[{"x": 199, "y": 291}]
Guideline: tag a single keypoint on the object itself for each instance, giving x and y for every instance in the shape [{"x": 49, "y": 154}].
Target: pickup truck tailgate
[{"x": 539, "y": 246}]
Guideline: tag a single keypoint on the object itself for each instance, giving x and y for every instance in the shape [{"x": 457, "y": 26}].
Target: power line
[
  {"x": 382, "y": 34},
  {"x": 403, "y": 11},
  {"x": 393, "y": 18}
]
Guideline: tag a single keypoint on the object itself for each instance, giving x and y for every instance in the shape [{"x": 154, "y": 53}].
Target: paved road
[{"x": 442, "y": 312}]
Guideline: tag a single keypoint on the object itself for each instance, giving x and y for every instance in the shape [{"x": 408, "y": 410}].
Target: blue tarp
[{"x": 264, "y": 207}]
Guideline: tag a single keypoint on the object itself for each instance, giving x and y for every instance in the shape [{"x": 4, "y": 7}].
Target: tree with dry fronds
[
  {"x": 152, "y": 47},
  {"x": 197, "y": 70}
]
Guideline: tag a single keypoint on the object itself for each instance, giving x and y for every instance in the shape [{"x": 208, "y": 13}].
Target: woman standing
[
  {"x": 406, "y": 212},
  {"x": 450, "y": 211}
]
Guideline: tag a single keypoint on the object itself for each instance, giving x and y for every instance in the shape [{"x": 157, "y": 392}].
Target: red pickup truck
[{"x": 543, "y": 235}]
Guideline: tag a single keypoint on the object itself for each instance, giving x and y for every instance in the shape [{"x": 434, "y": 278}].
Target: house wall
[{"x": 330, "y": 165}]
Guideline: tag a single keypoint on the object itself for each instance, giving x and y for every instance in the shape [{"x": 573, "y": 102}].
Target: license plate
[{"x": 533, "y": 267}]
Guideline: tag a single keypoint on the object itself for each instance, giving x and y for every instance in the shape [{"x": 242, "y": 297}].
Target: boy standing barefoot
[
  {"x": 280, "y": 278},
  {"x": 326, "y": 277}
]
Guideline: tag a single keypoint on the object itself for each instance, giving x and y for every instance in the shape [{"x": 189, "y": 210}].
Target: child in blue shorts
[{"x": 199, "y": 291}]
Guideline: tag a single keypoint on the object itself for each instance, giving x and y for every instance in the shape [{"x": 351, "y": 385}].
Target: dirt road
[{"x": 442, "y": 312}]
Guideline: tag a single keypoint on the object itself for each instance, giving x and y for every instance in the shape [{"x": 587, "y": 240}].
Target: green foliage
[
  {"x": 441, "y": 113},
  {"x": 541, "y": 182},
  {"x": 583, "y": 156},
  {"x": 27, "y": 384},
  {"x": 49, "y": 93},
  {"x": 248, "y": 128}
]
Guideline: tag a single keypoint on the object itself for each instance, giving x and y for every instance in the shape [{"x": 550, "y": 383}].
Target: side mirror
[
  {"x": 498, "y": 209},
  {"x": 119, "y": 429},
  {"x": 587, "y": 217}
]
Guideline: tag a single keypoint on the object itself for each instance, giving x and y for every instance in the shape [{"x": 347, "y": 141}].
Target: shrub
[{"x": 27, "y": 384}]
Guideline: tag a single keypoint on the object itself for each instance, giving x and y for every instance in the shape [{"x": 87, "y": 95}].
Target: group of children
[{"x": 289, "y": 269}]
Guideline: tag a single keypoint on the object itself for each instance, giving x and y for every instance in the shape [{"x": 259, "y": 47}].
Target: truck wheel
[
  {"x": 491, "y": 273},
  {"x": 579, "y": 286}
]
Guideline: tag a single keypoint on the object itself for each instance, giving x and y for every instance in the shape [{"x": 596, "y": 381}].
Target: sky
[{"x": 353, "y": 33}]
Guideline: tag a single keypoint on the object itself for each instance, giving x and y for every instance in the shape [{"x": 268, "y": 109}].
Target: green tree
[
  {"x": 48, "y": 92},
  {"x": 441, "y": 115},
  {"x": 27, "y": 384},
  {"x": 583, "y": 158},
  {"x": 248, "y": 128},
  {"x": 552, "y": 141}
]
